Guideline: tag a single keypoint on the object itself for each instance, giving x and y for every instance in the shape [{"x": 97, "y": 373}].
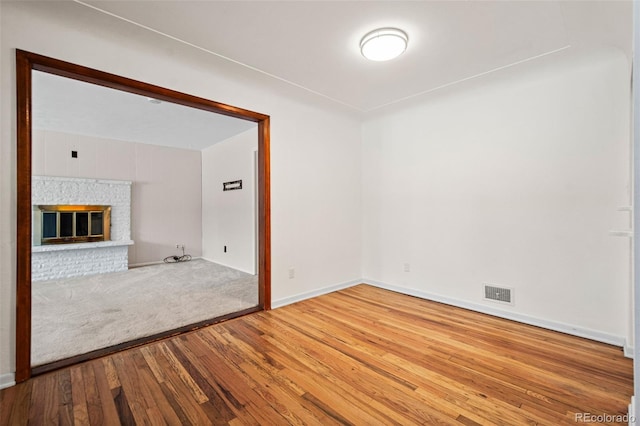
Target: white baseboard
[
  {"x": 158, "y": 262},
  {"x": 632, "y": 411},
  {"x": 138, "y": 265},
  {"x": 526, "y": 319},
  {"x": 629, "y": 352},
  {"x": 228, "y": 266},
  {"x": 7, "y": 380},
  {"x": 308, "y": 295}
]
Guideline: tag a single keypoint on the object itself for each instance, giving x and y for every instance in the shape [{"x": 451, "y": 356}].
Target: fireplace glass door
[{"x": 60, "y": 224}]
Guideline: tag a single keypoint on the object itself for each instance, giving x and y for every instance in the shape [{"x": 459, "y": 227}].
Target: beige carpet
[{"x": 79, "y": 315}]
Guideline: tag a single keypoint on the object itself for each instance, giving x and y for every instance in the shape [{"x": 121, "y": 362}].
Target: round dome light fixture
[{"x": 383, "y": 44}]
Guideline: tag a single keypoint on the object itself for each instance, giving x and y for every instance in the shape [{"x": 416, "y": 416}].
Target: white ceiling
[
  {"x": 314, "y": 44},
  {"x": 70, "y": 106}
]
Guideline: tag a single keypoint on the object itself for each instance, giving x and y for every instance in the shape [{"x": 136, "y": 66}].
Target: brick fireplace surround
[{"x": 50, "y": 262}]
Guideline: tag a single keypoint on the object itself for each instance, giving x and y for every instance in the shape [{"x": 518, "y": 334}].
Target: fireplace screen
[{"x": 62, "y": 224}]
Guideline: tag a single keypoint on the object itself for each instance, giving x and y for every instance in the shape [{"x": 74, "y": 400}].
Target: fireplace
[
  {"x": 80, "y": 227},
  {"x": 66, "y": 224}
]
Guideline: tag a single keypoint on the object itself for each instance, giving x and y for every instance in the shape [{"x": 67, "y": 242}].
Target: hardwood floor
[{"x": 361, "y": 356}]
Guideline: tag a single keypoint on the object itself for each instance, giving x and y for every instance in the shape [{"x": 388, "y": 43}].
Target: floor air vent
[{"x": 498, "y": 294}]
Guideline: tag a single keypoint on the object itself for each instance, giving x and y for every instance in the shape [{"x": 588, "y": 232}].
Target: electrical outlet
[
  {"x": 292, "y": 273},
  {"x": 407, "y": 267}
]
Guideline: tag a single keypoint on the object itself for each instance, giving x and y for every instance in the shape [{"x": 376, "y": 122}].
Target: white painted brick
[
  {"x": 62, "y": 190},
  {"x": 73, "y": 263},
  {"x": 48, "y": 265}
]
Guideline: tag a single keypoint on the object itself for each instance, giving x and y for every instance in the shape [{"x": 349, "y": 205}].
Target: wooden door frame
[{"x": 26, "y": 62}]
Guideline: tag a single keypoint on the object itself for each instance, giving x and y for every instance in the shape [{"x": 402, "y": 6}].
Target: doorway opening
[{"x": 26, "y": 63}]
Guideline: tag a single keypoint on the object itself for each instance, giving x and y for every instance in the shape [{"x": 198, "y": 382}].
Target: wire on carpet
[{"x": 176, "y": 259}]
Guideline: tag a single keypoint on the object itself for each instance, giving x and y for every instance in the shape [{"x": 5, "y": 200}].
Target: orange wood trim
[
  {"x": 25, "y": 63},
  {"x": 23, "y": 225},
  {"x": 264, "y": 212},
  {"x": 101, "y": 78}
]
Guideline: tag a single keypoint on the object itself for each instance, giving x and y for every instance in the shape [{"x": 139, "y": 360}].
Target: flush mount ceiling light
[{"x": 383, "y": 44}]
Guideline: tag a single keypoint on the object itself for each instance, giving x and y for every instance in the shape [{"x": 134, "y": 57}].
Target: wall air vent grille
[{"x": 498, "y": 294}]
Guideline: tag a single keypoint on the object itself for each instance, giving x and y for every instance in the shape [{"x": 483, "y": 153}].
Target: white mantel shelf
[
  {"x": 80, "y": 180},
  {"x": 80, "y": 246}
]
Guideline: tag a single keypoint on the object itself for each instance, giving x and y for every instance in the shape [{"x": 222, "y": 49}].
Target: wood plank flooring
[{"x": 361, "y": 356}]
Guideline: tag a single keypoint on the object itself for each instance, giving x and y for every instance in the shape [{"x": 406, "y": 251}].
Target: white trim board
[
  {"x": 160, "y": 262},
  {"x": 228, "y": 266},
  {"x": 629, "y": 351},
  {"x": 525, "y": 319},
  {"x": 7, "y": 380},
  {"x": 139, "y": 265},
  {"x": 308, "y": 295}
]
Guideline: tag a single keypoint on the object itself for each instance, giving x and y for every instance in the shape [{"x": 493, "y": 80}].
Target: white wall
[
  {"x": 229, "y": 217},
  {"x": 165, "y": 195},
  {"x": 635, "y": 408},
  {"x": 166, "y": 205},
  {"x": 7, "y": 225},
  {"x": 513, "y": 181},
  {"x": 315, "y": 145}
]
